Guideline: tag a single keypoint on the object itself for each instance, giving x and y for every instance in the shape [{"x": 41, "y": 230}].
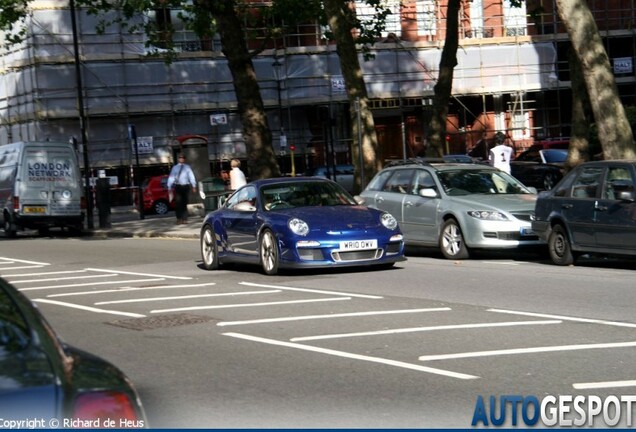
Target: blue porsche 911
[{"x": 298, "y": 223}]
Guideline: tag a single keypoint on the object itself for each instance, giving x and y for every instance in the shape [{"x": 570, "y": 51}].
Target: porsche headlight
[
  {"x": 298, "y": 226},
  {"x": 388, "y": 221},
  {"x": 488, "y": 215}
]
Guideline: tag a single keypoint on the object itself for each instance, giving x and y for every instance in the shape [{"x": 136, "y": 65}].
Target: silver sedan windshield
[{"x": 469, "y": 182}]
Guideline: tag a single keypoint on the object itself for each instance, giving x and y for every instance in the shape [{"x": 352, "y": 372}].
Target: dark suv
[{"x": 591, "y": 210}]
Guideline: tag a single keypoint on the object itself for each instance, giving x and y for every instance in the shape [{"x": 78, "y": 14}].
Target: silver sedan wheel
[
  {"x": 268, "y": 250},
  {"x": 451, "y": 241}
]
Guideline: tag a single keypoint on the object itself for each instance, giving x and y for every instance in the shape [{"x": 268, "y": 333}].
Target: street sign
[{"x": 218, "y": 119}]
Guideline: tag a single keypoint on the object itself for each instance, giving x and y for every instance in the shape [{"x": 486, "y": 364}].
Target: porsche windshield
[{"x": 303, "y": 194}]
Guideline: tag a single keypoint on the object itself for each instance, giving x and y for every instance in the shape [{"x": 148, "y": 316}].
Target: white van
[{"x": 40, "y": 187}]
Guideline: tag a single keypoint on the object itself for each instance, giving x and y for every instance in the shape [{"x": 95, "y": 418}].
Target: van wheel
[{"x": 6, "y": 225}]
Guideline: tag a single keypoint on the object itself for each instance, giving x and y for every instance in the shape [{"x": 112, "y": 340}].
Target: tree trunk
[
  {"x": 436, "y": 135},
  {"x": 579, "y": 142},
  {"x": 261, "y": 159},
  {"x": 340, "y": 21},
  {"x": 609, "y": 114}
]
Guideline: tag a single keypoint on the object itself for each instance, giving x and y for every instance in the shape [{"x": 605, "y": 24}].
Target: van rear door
[{"x": 50, "y": 182}]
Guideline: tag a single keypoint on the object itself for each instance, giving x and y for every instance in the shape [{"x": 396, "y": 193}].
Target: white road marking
[
  {"x": 423, "y": 329},
  {"x": 317, "y": 291},
  {"x": 125, "y": 289},
  {"x": 533, "y": 350},
  {"x": 241, "y": 305},
  {"x": 89, "y": 284},
  {"x": 139, "y": 274},
  {"x": 606, "y": 384},
  {"x": 63, "y": 278},
  {"x": 193, "y": 296},
  {"x": 342, "y": 315},
  {"x": 344, "y": 354},
  {"x": 88, "y": 308},
  {"x": 565, "y": 318},
  {"x": 43, "y": 273},
  {"x": 14, "y": 260}
]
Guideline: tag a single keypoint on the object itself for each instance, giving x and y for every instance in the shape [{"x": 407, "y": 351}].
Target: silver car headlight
[
  {"x": 298, "y": 226},
  {"x": 388, "y": 221},
  {"x": 488, "y": 215}
]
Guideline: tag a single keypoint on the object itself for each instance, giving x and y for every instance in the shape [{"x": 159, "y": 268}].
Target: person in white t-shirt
[
  {"x": 501, "y": 154},
  {"x": 237, "y": 177}
]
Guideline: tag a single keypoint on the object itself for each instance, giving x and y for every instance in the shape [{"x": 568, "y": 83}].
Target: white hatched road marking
[
  {"x": 565, "y": 318},
  {"x": 139, "y": 274},
  {"x": 242, "y": 305},
  {"x": 49, "y": 287},
  {"x": 342, "y": 315},
  {"x": 30, "y": 264},
  {"x": 63, "y": 278},
  {"x": 344, "y": 354},
  {"x": 43, "y": 273},
  {"x": 311, "y": 290},
  {"x": 126, "y": 289},
  {"x": 532, "y": 350},
  {"x": 424, "y": 329},
  {"x": 193, "y": 296},
  {"x": 603, "y": 385},
  {"x": 88, "y": 308}
]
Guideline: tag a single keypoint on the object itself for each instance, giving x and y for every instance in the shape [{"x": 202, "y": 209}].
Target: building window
[
  {"x": 476, "y": 19},
  {"x": 393, "y": 21},
  {"x": 426, "y": 17},
  {"x": 520, "y": 125},
  {"x": 171, "y": 30},
  {"x": 514, "y": 19}
]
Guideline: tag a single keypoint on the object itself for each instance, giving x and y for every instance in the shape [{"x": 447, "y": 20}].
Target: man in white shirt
[
  {"x": 182, "y": 179},
  {"x": 500, "y": 155}
]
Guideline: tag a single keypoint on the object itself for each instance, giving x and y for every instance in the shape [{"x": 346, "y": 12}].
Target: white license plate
[
  {"x": 358, "y": 245},
  {"x": 527, "y": 232}
]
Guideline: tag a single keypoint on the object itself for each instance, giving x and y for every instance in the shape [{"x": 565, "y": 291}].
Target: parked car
[
  {"x": 157, "y": 198},
  {"x": 457, "y": 207},
  {"x": 298, "y": 222},
  {"x": 539, "y": 168},
  {"x": 343, "y": 175},
  {"x": 459, "y": 158},
  {"x": 551, "y": 143},
  {"x": 45, "y": 379},
  {"x": 591, "y": 210}
]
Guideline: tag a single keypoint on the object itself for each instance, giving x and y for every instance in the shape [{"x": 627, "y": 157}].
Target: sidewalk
[{"x": 125, "y": 222}]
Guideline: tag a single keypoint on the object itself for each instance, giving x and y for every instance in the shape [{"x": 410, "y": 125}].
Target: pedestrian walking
[
  {"x": 182, "y": 180},
  {"x": 237, "y": 177},
  {"x": 501, "y": 154}
]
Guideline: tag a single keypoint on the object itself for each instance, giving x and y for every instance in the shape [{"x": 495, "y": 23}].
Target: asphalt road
[{"x": 410, "y": 347}]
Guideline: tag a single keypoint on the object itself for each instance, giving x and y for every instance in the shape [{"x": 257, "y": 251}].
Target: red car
[{"x": 156, "y": 196}]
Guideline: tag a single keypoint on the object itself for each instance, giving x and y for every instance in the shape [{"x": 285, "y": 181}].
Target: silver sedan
[{"x": 457, "y": 207}]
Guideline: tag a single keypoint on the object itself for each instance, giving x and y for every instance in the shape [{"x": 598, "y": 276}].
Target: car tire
[
  {"x": 9, "y": 232},
  {"x": 559, "y": 247},
  {"x": 209, "y": 249},
  {"x": 268, "y": 252},
  {"x": 160, "y": 207},
  {"x": 451, "y": 241},
  {"x": 549, "y": 181}
]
